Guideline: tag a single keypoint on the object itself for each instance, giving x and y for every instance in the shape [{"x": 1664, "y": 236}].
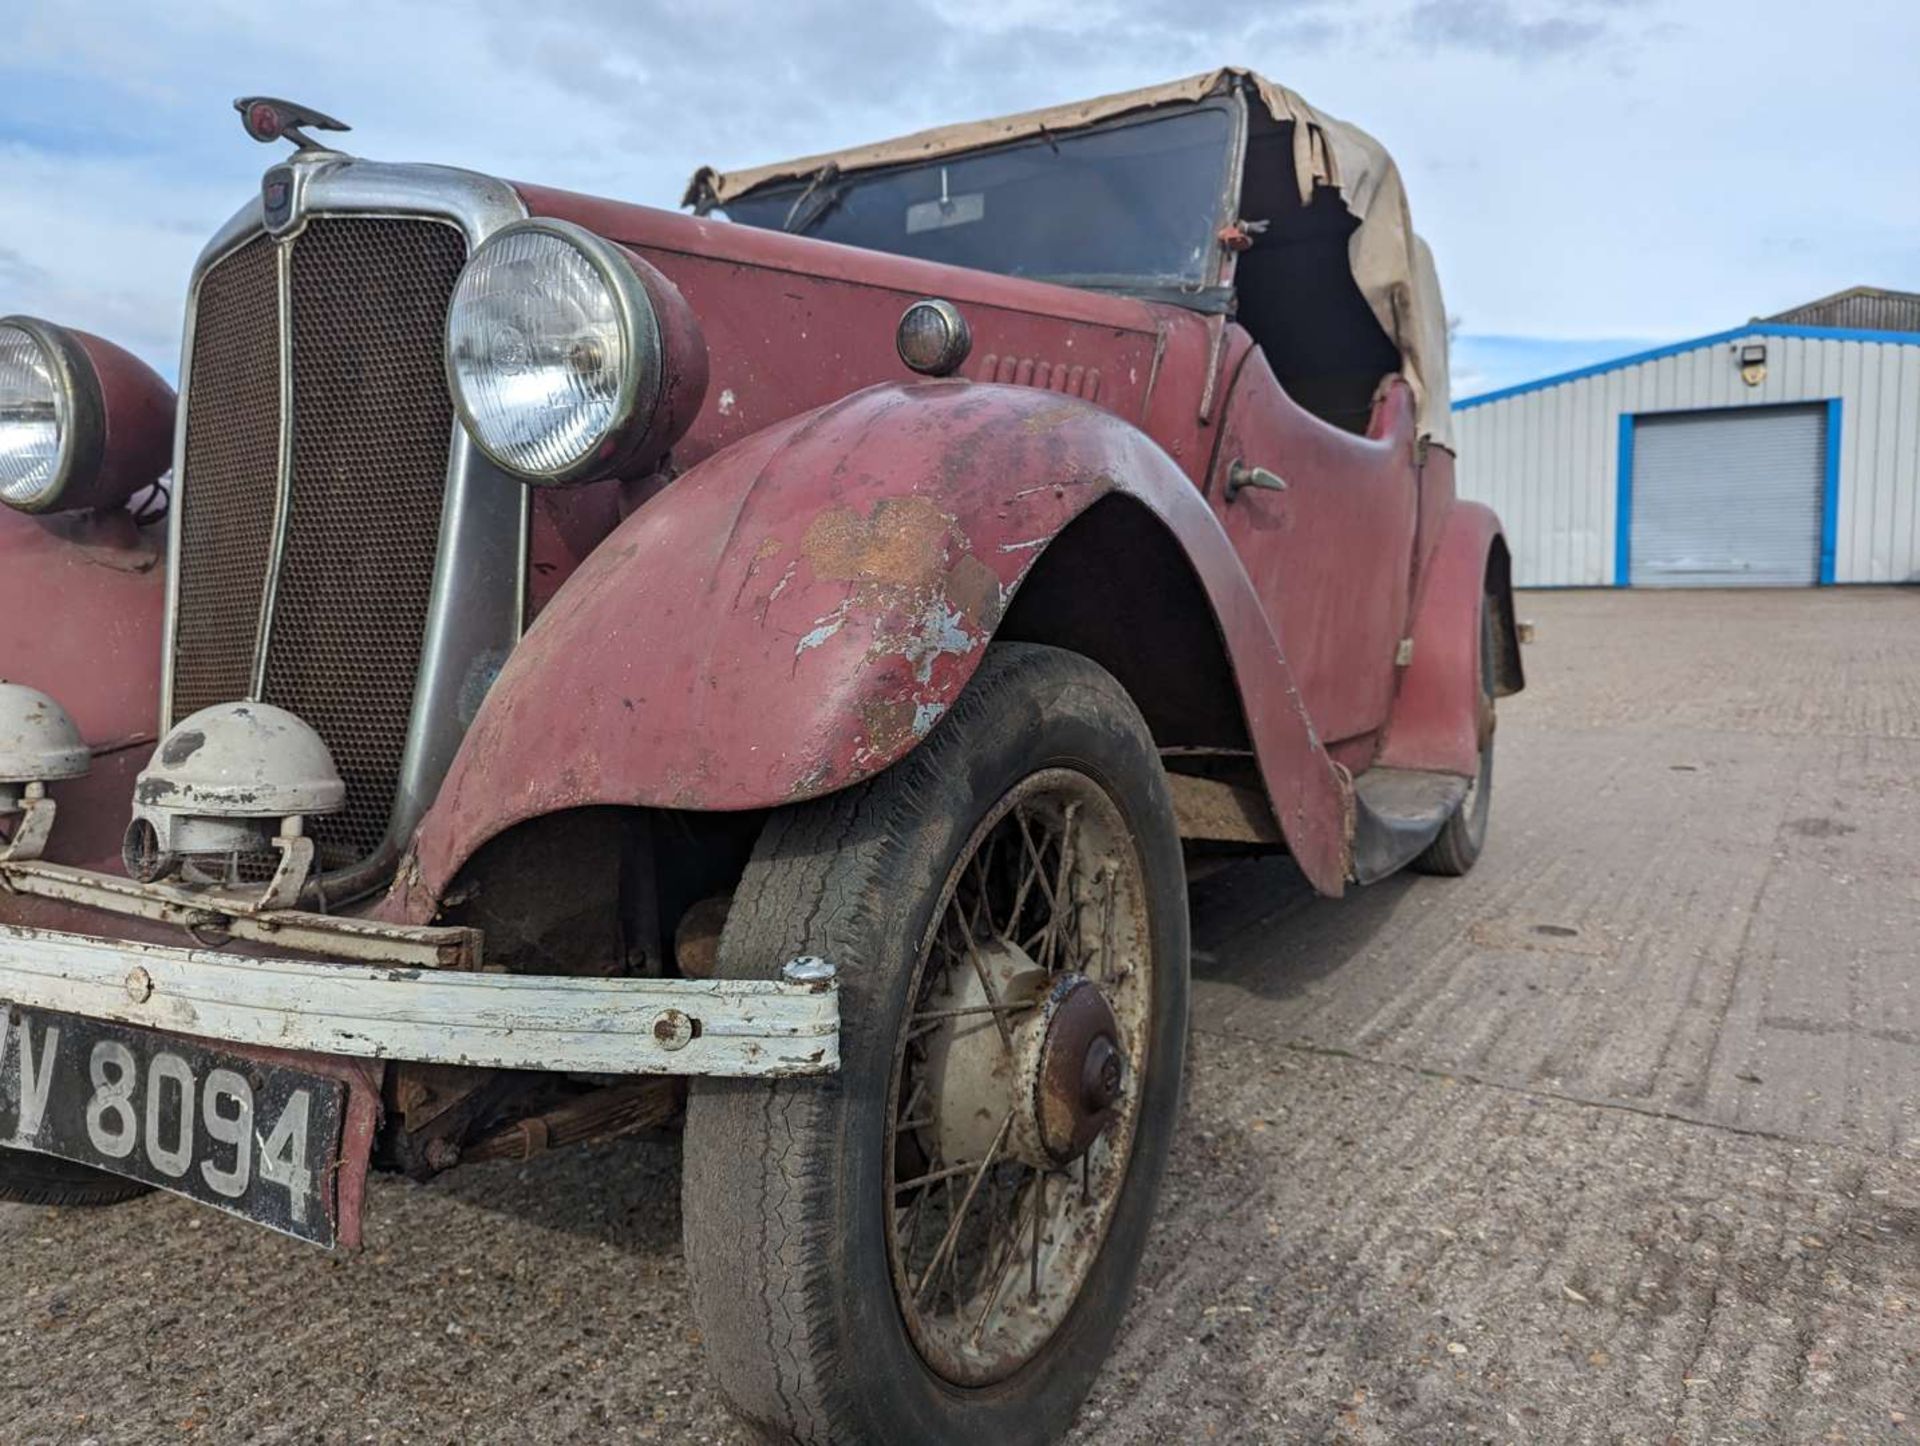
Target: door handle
[{"x": 1240, "y": 476}]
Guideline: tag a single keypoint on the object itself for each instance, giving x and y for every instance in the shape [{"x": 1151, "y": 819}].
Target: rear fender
[
  {"x": 795, "y": 613},
  {"x": 1435, "y": 724}
]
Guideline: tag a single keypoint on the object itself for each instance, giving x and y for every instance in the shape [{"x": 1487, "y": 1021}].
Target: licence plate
[{"x": 259, "y": 1141}]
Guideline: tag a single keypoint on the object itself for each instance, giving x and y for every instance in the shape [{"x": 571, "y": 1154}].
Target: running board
[{"x": 1397, "y": 813}]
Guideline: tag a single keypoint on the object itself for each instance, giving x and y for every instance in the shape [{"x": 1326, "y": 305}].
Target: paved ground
[{"x": 1617, "y": 1140}]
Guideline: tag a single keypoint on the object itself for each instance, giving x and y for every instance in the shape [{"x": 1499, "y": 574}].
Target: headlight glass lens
[
  {"x": 33, "y": 419},
  {"x": 537, "y": 352}
]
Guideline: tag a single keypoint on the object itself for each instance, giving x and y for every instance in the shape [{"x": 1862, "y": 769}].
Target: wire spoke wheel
[
  {"x": 938, "y": 1243},
  {"x": 1012, "y": 1114}
]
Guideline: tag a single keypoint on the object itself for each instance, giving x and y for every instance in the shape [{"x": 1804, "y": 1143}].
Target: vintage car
[{"x": 605, "y": 668}]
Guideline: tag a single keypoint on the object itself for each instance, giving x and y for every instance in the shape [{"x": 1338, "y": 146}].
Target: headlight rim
[
  {"x": 83, "y": 426},
  {"x": 635, "y": 404}
]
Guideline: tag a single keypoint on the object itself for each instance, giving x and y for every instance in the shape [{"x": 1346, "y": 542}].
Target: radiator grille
[
  {"x": 233, "y": 452},
  {"x": 371, "y": 426}
]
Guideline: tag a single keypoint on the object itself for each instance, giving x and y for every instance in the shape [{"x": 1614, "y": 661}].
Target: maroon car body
[
  {"x": 745, "y": 710},
  {"x": 1311, "y": 623}
]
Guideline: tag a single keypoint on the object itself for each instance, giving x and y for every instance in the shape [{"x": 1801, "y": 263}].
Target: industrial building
[{"x": 1782, "y": 453}]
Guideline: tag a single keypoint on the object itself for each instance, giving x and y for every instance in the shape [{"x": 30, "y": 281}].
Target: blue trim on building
[
  {"x": 1830, "y": 494},
  {"x": 1818, "y": 333},
  {"x": 1623, "y": 506}
]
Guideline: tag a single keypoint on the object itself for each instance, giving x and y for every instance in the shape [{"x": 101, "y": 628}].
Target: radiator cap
[
  {"x": 37, "y": 739},
  {"x": 240, "y": 760}
]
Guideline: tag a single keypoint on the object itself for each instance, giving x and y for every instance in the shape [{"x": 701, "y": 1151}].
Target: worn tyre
[
  {"x": 27, "y": 1178},
  {"x": 1459, "y": 843},
  {"x": 825, "y": 1318}
]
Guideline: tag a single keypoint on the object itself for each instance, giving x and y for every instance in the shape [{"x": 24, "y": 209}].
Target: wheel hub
[
  {"x": 1014, "y": 1103},
  {"x": 1054, "y": 1063},
  {"x": 1078, "y": 1070}
]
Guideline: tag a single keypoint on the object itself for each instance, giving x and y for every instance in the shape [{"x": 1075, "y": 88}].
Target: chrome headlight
[
  {"x": 58, "y": 388},
  {"x": 554, "y": 352},
  {"x": 36, "y": 416}
]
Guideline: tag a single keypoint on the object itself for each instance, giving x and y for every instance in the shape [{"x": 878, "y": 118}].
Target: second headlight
[
  {"x": 83, "y": 424},
  {"x": 554, "y": 352},
  {"x": 36, "y": 430}
]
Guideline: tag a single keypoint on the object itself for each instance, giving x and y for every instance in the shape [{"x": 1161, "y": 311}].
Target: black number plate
[{"x": 259, "y": 1141}]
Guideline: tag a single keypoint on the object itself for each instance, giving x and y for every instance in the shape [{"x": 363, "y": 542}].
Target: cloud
[
  {"x": 17, "y": 271},
  {"x": 1500, "y": 28},
  {"x": 740, "y": 82},
  {"x": 1582, "y": 168}
]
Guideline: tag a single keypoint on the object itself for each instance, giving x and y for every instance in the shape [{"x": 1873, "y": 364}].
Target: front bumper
[{"x": 406, "y": 1011}]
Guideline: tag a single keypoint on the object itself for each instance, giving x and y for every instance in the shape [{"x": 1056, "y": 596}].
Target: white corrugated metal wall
[{"x": 1546, "y": 456}]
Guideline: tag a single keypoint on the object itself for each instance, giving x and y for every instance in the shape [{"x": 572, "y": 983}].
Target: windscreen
[{"x": 1135, "y": 203}]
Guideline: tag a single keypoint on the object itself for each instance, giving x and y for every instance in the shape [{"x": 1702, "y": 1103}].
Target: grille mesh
[
  {"x": 233, "y": 452},
  {"x": 372, "y": 422}
]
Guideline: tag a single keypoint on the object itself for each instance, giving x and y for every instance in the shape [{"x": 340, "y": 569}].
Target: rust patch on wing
[
  {"x": 889, "y": 726},
  {"x": 973, "y": 591},
  {"x": 813, "y": 781},
  {"x": 905, "y": 541},
  {"x": 1051, "y": 418}
]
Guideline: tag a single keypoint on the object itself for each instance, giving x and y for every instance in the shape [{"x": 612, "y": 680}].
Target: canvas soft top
[{"x": 1390, "y": 263}]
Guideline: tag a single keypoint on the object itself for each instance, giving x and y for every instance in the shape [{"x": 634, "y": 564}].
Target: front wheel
[{"x": 938, "y": 1243}]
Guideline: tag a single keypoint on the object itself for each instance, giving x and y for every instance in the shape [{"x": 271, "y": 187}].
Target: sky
[{"x": 1594, "y": 176}]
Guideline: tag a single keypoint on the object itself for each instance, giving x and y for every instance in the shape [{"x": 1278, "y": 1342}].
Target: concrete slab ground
[{"x": 1617, "y": 1139}]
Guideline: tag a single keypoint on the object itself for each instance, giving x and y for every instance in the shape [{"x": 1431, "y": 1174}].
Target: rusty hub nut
[
  {"x": 1101, "y": 1077},
  {"x": 1081, "y": 1072}
]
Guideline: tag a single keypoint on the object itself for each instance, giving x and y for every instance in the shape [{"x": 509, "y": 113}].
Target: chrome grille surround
[{"x": 475, "y": 592}]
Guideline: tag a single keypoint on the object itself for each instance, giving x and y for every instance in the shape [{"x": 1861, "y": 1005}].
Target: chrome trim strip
[
  {"x": 478, "y": 603},
  {"x": 283, "y": 482},
  {"x": 480, "y": 556},
  {"x": 737, "y": 1028}
]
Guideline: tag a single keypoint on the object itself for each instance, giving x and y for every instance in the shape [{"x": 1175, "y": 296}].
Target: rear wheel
[
  {"x": 1459, "y": 843},
  {"x": 938, "y": 1243},
  {"x": 27, "y": 1178}
]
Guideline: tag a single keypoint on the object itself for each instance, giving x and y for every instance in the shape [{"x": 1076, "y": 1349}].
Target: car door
[{"x": 1330, "y": 552}]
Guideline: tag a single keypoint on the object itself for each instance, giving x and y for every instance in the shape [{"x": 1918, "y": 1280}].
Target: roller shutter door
[{"x": 1728, "y": 499}]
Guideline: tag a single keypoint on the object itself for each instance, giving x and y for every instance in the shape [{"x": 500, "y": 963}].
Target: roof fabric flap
[{"x": 1390, "y": 263}]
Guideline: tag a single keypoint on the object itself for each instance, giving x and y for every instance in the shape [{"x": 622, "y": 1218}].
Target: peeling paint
[
  {"x": 822, "y": 630},
  {"x": 813, "y": 781},
  {"x": 935, "y": 630},
  {"x": 183, "y": 745},
  {"x": 781, "y": 586}
]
